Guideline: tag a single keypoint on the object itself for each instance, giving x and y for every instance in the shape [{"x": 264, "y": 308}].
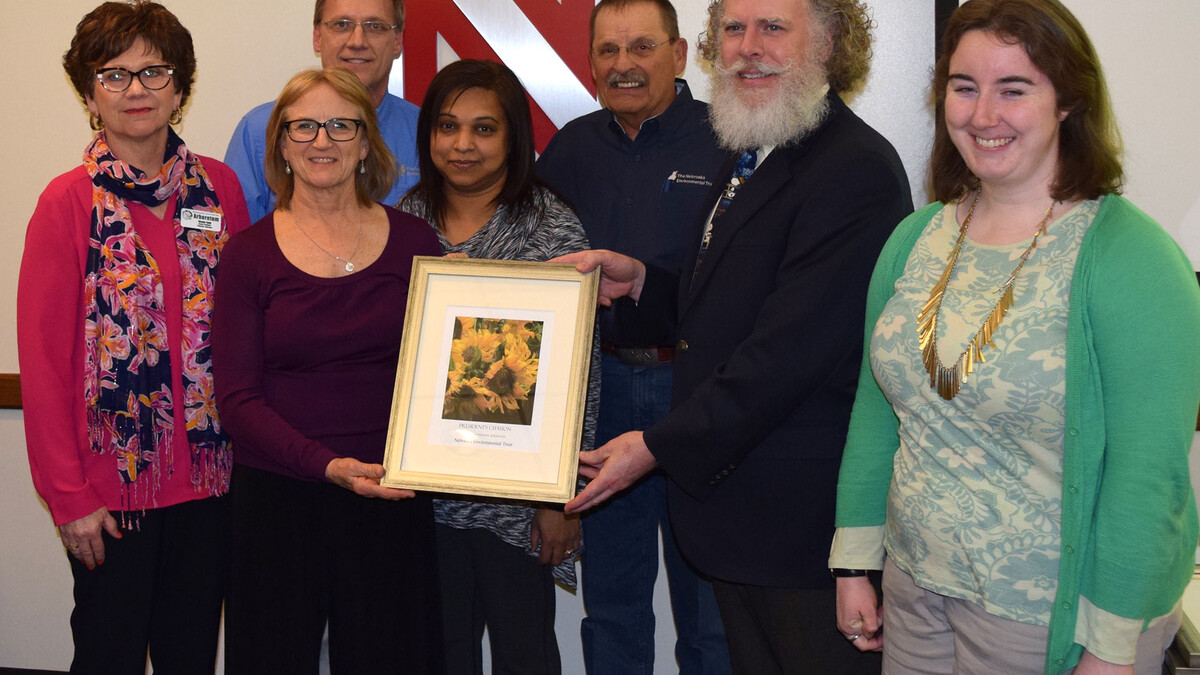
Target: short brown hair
[
  {"x": 397, "y": 12},
  {"x": 369, "y": 186},
  {"x": 670, "y": 19},
  {"x": 849, "y": 27},
  {"x": 109, "y": 30},
  {"x": 1089, "y": 144}
]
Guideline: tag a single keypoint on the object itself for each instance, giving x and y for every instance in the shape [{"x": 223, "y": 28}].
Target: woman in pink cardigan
[{"x": 113, "y": 310}]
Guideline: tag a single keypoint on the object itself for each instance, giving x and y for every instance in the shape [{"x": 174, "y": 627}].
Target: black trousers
[
  {"x": 159, "y": 589},
  {"x": 486, "y": 581},
  {"x": 305, "y": 553},
  {"x": 787, "y": 631}
]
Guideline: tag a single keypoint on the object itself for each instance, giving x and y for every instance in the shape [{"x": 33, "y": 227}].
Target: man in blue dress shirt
[
  {"x": 637, "y": 174},
  {"x": 366, "y": 37}
]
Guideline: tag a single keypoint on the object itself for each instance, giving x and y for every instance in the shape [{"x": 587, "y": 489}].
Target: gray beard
[{"x": 775, "y": 118}]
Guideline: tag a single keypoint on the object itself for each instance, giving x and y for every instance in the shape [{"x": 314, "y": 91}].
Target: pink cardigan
[{"x": 73, "y": 480}]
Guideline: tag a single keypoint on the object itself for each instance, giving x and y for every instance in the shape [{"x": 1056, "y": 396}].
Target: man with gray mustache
[
  {"x": 769, "y": 320},
  {"x": 637, "y": 174}
]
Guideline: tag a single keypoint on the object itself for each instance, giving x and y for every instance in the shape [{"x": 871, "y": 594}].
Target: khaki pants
[{"x": 930, "y": 634}]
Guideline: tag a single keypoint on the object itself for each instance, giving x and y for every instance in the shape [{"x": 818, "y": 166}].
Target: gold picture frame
[{"x": 492, "y": 379}]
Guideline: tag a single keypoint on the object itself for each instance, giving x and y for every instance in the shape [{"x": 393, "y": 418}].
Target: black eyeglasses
[
  {"x": 337, "y": 128},
  {"x": 118, "y": 80},
  {"x": 369, "y": 27}
]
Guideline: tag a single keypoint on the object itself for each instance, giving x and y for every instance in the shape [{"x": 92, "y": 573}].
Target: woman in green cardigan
[{"x": 1032, "y": 374}]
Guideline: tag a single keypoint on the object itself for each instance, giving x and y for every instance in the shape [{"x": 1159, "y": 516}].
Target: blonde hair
[{"x": 370, "y": 185}]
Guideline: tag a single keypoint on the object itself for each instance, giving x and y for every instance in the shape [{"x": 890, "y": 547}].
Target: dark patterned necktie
[{"x": 741, "y": 171}]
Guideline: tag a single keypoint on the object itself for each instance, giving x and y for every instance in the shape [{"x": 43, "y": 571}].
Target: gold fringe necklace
[{"x": 947, "y": 380}]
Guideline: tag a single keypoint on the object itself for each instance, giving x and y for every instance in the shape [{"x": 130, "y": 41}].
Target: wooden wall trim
[{"x": 10, "y": 390}]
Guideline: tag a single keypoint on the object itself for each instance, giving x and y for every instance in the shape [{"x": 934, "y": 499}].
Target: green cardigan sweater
[{"x": 1129, "y": 528}]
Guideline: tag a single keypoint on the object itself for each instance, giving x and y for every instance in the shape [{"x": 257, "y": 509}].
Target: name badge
[{"x": 200, "y": 220}]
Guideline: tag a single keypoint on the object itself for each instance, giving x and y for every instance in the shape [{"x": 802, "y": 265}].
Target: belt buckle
[
  {"x": 639, "y": 356},
  {"x": 642, "y": 356}
]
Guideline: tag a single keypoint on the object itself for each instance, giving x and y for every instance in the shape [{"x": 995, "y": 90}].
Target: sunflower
[
  {"x": 512, "y": 377},
  {"x": 467, "y": 398},
  {"x": 522, "y": 329},
  {"x": 473, "y": 351}
]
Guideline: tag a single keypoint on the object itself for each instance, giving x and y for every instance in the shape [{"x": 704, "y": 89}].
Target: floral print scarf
[{"x": 127, "y": 368}]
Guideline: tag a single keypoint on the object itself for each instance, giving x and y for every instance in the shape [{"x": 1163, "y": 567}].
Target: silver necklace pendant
[{"x": 357, "y": 241}]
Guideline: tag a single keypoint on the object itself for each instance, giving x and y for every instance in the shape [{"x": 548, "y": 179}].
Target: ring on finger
[
  {"x": 72, "y": 549},
  {"x": 854, "y": 637}
]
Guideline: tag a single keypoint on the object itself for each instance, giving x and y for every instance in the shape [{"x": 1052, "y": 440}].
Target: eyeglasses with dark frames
[
  {"x": 118, "y": 80},
  {"x": 338, "y": 129}
]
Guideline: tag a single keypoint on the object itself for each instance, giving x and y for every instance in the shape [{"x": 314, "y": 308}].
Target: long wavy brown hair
[{"x": 1089, "y": 145}]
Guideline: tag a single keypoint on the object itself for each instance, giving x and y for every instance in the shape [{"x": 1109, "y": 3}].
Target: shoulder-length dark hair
[
  {"x": 370, "y": 185},
  {"x": 1089, "y": 145},
  {"x": 520, "y": 180},
  {"x": 110, "y": 29}
]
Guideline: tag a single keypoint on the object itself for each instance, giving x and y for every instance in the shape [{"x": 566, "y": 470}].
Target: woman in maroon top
[
  {"x": 305, "y": 353},
  {"x": 113, "y": 310}
]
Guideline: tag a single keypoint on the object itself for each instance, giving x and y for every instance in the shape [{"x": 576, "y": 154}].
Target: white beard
[{"x": 783, "y": 114}]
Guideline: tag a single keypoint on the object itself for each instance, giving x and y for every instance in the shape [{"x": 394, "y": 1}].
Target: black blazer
[{"x": 770, "y": 338}]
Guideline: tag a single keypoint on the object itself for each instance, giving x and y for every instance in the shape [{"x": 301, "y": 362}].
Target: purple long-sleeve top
[{"x": 305, "y": 366}]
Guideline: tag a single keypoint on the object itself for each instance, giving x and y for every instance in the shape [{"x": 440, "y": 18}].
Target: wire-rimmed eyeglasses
[
  {"x": 638, "y": 49},
  {"x": 369, "y": 27}
]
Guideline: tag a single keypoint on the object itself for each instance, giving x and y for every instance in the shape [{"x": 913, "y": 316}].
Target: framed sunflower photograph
[{"x": 492, "y": 379}]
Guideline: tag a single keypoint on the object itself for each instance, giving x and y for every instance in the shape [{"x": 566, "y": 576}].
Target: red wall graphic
[{"x": 562, "y": 26}]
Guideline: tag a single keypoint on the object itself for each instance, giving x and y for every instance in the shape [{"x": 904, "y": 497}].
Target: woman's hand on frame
[{"x": 362, "y": 479}]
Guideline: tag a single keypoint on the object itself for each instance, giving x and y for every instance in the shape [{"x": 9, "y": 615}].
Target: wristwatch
[{"x": 839, "y": 572}]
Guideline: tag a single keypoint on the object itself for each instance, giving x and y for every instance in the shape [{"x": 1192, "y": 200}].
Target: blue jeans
[{"x": 620, "y": 564}]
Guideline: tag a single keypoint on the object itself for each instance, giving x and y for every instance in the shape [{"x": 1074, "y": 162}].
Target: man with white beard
[{"x": 770, "y": 328}]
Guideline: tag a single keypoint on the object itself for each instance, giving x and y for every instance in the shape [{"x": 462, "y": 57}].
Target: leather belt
[{"x": 638, "y": 356}]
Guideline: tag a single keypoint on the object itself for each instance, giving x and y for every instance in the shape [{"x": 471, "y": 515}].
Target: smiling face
[
  {"x": 1002, "y": 114},
  {"x": 370, "y": 57},
  {"x": 322, "y": 164},
  {"x": 469, "y": 143},
  {"x": 761, "y": 41},
  {"x": 768, "y": 86},
  {"x": 635, "y": 88},
  {"x": 138, "y": 115}
]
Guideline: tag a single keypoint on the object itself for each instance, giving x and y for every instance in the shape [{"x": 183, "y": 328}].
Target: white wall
[{"x": 247, "y": 50}]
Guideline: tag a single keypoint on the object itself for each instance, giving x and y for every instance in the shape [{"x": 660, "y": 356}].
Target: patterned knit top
[{"x": 547, "y": 230}]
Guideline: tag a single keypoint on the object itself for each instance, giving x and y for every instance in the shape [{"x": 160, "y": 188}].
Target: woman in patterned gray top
[{"x": 498, "y": 560}]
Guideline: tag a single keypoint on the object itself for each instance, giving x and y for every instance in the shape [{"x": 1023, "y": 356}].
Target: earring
[
  {"x": 176, "y": 116},
  {"x": 287, "y": 168},
  {"x": 95, "y": 122},
  {"x": 362, "y": 166}
]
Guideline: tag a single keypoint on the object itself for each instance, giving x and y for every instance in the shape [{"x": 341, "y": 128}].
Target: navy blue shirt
[{"x": 644, "y": 197}]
